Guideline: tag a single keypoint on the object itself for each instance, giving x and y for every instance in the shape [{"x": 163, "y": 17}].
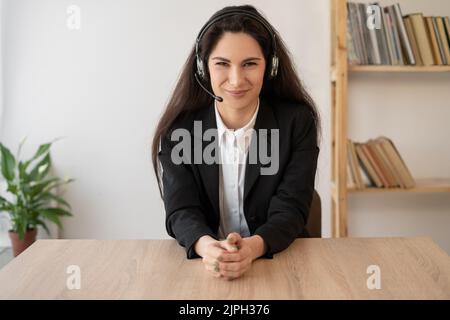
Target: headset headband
[{"x": 233, "y": 12}]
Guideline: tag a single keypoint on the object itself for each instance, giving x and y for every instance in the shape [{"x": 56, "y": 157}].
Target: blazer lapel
[
  {"x": 264, "y": 120},
  {"x": 209, "y": 172}
]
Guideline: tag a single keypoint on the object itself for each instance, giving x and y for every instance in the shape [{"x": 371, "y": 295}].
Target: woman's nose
[{"x": 236, "y": 77}]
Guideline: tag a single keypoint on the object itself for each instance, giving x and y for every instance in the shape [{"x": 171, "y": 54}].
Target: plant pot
[{"x": 19, "y": 245}]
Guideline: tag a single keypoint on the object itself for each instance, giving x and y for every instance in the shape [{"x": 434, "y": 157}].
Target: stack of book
[
  {"x": 383, "y": 35},
  {"x": 377, "y": 163}
]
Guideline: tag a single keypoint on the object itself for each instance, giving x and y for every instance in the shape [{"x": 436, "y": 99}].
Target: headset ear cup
[
  {"x": 274, "y": 67},
  {"x": 200, "y": 68}
]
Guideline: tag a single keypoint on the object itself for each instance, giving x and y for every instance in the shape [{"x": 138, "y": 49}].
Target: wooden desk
[{"x": 411, "y": 268}]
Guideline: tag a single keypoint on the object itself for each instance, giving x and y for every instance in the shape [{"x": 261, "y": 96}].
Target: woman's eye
[{"x": 226, "y": 64}]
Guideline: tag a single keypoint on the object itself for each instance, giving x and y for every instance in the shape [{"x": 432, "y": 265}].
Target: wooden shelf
[
  {"x": 340, "y": 72},
  {"x": 388, "y": 68},
  {"x": 435, "y": 185}
]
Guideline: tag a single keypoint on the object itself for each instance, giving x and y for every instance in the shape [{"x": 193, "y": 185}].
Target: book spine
[
  {"x": 382, "y": 40},
  {"x": 412, "y": 38},
  {"x": 444, "y": 39},
  {"x": 397, "y": 45},
  {"x": 447, "y": 28},
  {"x": 403, "y": 35},
  {"x": 354, "y": 54},
  {"x": 364, "y": 34},
  {"x": 389, "y": 37},
  {"x": 422, "y": 39},
  {"x": 439, "y": 41},
  {"x": 433, "y": 40}
]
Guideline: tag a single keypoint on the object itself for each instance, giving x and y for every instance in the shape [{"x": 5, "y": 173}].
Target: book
[
  {"x": 396, "y": 36},
  {"x": 374, "y": 44},
  {"x": 356, "y": 37},
  {"x": 406, "y": 45},
  {"x": 381, "y": 163},
  {"x": 359, "y": 178},
  {"x": 398, "y": 162},
  {"x": 367, "y": 167},
  {"x": 423, "y": 42},
  {"x": 352, "y": 48},
  {"x": 389, "y": 40},
  {"x": 433, "y": 40},
  {"x": 444, "y": 39},
  {"x": 355, "y": 173},
  {"x": 438, "y": 38},
  {"x": 376, "y": 164},
  {"x": 447, "y": 28},
  {"x": 412, "y": 38},
  {"x": 392, "y": 183},
  {"x": 399, "y": 39}
]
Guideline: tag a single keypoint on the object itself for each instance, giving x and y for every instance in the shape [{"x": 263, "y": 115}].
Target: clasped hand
[{"x": 229, "y": 258}]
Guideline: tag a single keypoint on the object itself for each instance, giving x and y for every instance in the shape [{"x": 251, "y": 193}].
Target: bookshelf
[
  {"x": 340, "y": 70},
  {"x": 382, "y": 68}
]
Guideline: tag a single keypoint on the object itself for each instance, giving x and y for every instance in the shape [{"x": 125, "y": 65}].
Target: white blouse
[{"x": 233, "y": 145}]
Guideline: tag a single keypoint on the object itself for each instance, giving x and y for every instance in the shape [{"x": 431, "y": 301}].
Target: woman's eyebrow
[{"x": 226, "y": 60}]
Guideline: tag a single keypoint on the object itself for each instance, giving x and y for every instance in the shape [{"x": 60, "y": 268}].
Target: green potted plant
[{"x": 32, "y": 193}]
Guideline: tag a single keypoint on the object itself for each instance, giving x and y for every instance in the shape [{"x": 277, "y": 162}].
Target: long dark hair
[{"x": 188, "y": 96}]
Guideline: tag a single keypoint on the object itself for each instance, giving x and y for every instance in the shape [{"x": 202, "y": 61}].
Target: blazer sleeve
[
  {"x": 185, "y": 217},
  {"x": 289, "y": 207}
]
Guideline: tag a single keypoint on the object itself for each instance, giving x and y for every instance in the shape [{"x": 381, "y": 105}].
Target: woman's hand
[
  {"x": 213, "y": 251},
  {"x": 229, "y": 258},
  {"x": 235, "y": 262}
]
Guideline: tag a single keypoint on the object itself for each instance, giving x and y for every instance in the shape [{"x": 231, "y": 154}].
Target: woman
[{"x": 239, "y": 81}]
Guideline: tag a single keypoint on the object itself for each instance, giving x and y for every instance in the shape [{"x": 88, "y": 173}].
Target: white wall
[
  {"x": 4, "y": 241},
  {"x": 1, "y": 62},
  {"x": 103, "y": 88}
]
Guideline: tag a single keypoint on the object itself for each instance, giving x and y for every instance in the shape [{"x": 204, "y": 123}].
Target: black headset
[{"x": 200, "y": 64}]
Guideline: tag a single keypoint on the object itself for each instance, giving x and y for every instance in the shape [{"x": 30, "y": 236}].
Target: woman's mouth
[{"x": 237, "y": 93}]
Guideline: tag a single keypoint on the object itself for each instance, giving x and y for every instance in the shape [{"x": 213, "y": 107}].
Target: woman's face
[{"x": 236, "y": 67}]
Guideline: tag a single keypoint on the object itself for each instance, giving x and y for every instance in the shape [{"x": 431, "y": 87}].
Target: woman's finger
[
  {"x": 233, "y": 238},
  {"x": 215, "y": 250},
  {"x": 233, "y": 266},
  {"x": 208, "y": 261},
  {"x": 230, "y": 274},
  {"x": 213, "y": 269},
  {"x": 231, "y": 257},
  {"x": 230, "y": 244}
]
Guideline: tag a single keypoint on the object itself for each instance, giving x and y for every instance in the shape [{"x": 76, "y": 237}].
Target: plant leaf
[
  {"x": 5, "y": 205},
  {"x": 50, "y": 196},
  {"x": 42, "y": 223},
  {"x": 56, "y": 211},
  {"x": 59, "y": 183},
  {"x": 38, "y": 187},
  {"x": 38, "y": 173},
  {"x": 8, "y": 163},
  {"x": 49, "y": 215},
  {"x": 22, "y": 172},
  {"x": 43, "y": 149}
]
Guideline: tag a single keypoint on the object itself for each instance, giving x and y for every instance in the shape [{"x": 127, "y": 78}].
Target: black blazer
[{"x": 276, "y": 206}]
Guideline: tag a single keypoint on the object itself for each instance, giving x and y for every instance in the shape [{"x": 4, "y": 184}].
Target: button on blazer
[{"x": 276, "y": 206}]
